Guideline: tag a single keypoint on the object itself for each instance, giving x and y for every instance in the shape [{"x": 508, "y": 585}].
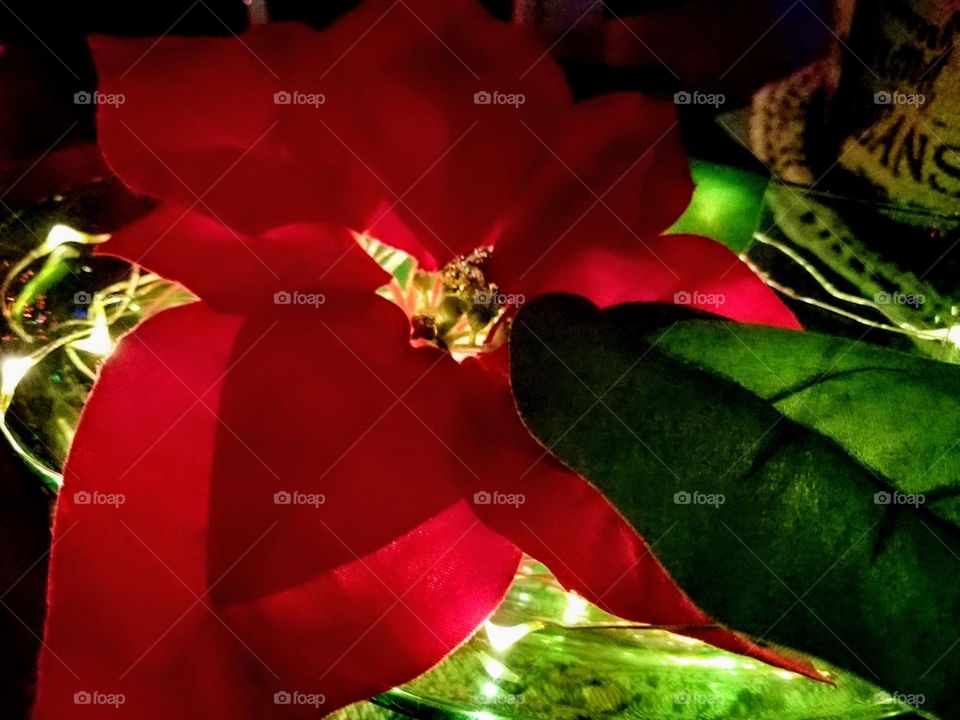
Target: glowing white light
[
  {"x": 98, "y": 342},
  {"x": 497, "y": 670},
  {"x": 62, "y": 234},
  {"x": 489, "y": 690},
  {"x": 501, "y": 637},
  {"x": 575, "y": 610},
  {"x": 11, "y": 373},
  {"x": 953, "y": 335},
  {"x": 494, "y": 667}
]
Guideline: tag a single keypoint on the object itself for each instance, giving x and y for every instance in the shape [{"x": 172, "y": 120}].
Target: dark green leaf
[
  {"x": 771, "y": 526},
  {"x": 726, "y": 204},
  {"x": 897, "y": 414}
]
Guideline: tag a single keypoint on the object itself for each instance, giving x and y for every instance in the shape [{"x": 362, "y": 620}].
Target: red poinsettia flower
[{"x": 272, "y": 489}]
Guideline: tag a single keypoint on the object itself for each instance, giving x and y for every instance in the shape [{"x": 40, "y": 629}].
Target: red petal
[
  {"x": 144, "y": 436},
  {"x": 331, "y": 406},
  {"x": 613, "y": 165},
  {"x": 415, "y": 138},
  {"x": 497, "y": 361},
  {"x": 568, "y": 525},
  {"x": 240, "y": 272},
  {"x": 378, "y": 622},
  {"x": 198, "y": 125},
  {"x": 682, "y": 269},
  {"x": 452, "y": 165},
  {"x": 130, "y": 607}
]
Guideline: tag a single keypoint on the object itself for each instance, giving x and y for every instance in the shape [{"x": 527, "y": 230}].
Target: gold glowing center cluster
[{"x": 456, "y": 308}]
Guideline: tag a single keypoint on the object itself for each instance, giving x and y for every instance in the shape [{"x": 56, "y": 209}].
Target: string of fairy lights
[
  {"x": 949, "y": 335},
  {"x": 84, "y": 339}
]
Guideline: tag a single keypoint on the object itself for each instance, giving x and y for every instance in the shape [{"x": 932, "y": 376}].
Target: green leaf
[
  {"x": 772, "y": 526},
  {"x": 726, "y": 204},
  {"x": 897, "y": 414}
]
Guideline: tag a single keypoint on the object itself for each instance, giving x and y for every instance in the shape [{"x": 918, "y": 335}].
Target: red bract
[{"x": 298, "y": 492}]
